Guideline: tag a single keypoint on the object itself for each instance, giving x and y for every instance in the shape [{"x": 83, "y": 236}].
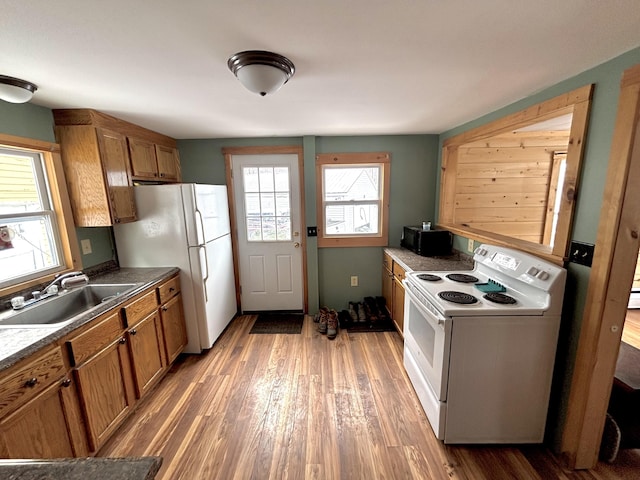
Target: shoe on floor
[
  {"x": 332, "y": 325},
  {"x": 322, "y": 320},
  {"x": 352, "y": 311},
  {"x": 362, "y": 316}
]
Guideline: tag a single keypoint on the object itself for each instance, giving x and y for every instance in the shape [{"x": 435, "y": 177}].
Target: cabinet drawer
[
  {"x": 169, "y": 289},
  {"x": 398, "y": 271},
  {"x": 140, "y": 308},
  {"x": 95, "y": 339},
  {"x": 27, "y": 380}
]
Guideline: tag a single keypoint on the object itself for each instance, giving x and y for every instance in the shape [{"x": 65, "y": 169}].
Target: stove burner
[
  {"x": 500, "y": 298},
  {"x": 462, "y": 278},
  {"x": 428, "y": 277},
  {"x": 457, "y": 297}
]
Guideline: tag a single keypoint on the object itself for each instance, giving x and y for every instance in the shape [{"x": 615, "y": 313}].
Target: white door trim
[{"x": 228, "y": 152}]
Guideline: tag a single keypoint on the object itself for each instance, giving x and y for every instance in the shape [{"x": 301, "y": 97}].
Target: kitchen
[{"x": 414, "y": 181}]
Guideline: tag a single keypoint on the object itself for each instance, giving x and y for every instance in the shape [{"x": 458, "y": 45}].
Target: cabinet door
[
  {"x": 115, "y": 162},
  {"x": 104, "y": 387},
  {"x": 145, "y": 345},
  {"x": 173, "y": 327},
  {"x": 398, "y": 297},
  {"x": 44, "y": 427},
  {"x": 398, "y": 305},
  {"x": 168, "y": 163},
  {"x": 143, "y": 159}
]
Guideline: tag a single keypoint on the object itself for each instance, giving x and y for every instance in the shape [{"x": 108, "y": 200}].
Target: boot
[
  {"x": 322, "y": 320},
  {"x": 362, "y": 316},
  {"x": 332, "y": 325}
]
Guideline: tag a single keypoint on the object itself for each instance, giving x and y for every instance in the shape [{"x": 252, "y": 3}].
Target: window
[
  {"x": 353, "y": 199},
  {"x": 34, "y": 230}
]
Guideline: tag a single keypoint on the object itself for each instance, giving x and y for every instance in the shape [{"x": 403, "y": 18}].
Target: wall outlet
[
  {"x": 470, "y": 245},
  {"x": 354, "y": 280},
  {"x": 312, "y": 231},
  {"x": 86, "y": 246}
]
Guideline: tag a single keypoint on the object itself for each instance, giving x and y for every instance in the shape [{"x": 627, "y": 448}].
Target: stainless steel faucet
[{"x": 66, "y": 280}]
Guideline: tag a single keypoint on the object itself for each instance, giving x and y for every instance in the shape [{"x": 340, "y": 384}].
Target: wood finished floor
[{"x": 304, "y": 407}]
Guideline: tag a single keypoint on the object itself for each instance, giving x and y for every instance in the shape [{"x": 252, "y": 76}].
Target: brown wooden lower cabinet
[
  {"x": 147, "y": 356},
  {"x": 48, "y": 426},
  {"x": 393, "y": 290},
  {"x": 104, "y": 391},
  {"x": 66, "y": 402}
]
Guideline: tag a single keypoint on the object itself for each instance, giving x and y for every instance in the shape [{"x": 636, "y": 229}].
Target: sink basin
[{"x": 63, "y": 308}]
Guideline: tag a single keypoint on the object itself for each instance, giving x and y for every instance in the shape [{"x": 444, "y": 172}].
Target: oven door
[{"x": 427, "y": 336}]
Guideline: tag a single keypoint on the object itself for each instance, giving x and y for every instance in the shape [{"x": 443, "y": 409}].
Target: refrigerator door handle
[
  {"x": 206, "y": 276},
  {"x": 204, "y": 236}
]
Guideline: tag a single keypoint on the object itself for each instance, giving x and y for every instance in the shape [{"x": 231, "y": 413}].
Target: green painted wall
[
  {"x": 412, "y": 200},
  {"x": 606, "y": 78},
  {"x": 413, "y": 183},
  {"x": 32, "y": 121}
]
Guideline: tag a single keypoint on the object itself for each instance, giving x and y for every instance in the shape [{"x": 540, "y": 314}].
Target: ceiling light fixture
[
  {"x": 261, "y": 72},
  {"x": 15, "y": 90}
]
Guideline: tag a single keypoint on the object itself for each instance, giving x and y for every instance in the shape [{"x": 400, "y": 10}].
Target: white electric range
[{"x": 480, "y": 345}]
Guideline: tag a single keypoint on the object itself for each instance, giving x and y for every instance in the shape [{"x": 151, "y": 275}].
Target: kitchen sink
[{"x": 62, "y": 309}]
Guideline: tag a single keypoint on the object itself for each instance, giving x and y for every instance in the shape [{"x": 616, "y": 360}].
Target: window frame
[
  {"x": 60, "y": 204},
  {"x": 382, "y": 159}
]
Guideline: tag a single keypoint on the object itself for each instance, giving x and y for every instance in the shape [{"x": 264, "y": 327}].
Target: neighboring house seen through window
[{"x": 353, "y": 199}]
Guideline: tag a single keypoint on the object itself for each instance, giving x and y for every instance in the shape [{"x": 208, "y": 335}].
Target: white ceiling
[{"x": 362, "y": 66}]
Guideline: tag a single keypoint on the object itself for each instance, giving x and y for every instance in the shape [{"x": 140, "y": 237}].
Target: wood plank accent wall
[{"x": 503, "y": 183}]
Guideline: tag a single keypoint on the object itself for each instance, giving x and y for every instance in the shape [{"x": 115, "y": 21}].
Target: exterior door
[{"x": 267, "y": 209}]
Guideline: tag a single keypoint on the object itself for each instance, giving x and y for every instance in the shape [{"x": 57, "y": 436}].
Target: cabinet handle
[
  {"x": 171, "y": 289},
  {"x": 116, "y": 220},
  {"x": 133, "y": 331},
  {"x": 31, "y": 382},
  {"x": 164, "y": 309},
  {"x": 162, "y": 174},
  {"x": 66, "y": 382},
  {"x": 122, "y": 341}
]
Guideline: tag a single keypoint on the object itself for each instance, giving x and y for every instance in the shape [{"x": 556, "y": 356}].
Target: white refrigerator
[{"x": 187, "y": 226}]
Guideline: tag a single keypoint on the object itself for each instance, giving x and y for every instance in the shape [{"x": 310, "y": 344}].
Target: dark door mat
[{"x": 278, "y": 323}]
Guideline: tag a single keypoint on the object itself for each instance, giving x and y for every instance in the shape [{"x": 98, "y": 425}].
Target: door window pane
[{"x": 267, "y": 203}]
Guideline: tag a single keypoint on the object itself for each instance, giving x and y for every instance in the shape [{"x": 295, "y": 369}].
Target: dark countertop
[
  {"x": 17, "y": 343},
  {"x": 141, "y": 468},
  {"x": 412, "y": 262}
]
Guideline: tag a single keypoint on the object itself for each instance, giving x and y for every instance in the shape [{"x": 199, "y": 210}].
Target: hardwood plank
[{"x": 302, "y": 406}]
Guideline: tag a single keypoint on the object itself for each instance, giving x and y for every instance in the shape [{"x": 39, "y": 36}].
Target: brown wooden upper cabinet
[
  {"x": 153, "y": 162},
  {"x": 103, "y": 156}
]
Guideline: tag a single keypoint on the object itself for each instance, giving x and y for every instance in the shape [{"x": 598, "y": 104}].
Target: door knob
[{"x": 296, "y": 245}]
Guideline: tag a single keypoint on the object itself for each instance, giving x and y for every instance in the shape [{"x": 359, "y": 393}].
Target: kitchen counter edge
[
  {"x": 139, "y": 468},
  {"x": 412, "y": 262}
]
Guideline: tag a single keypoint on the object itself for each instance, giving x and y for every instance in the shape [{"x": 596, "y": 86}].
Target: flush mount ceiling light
[
  {"x": 15, "y": 90},
  {"x": 261, "y": 72}
]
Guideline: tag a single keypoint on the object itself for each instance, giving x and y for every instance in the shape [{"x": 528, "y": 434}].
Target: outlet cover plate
[
  {"x": 581, "y": 253},
  {"x": 86, "y": 246}
]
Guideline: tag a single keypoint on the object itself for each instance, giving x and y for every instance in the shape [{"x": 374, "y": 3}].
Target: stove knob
[
  {"x": 543, "y": 276},
  {"x": 533, "y": 271}
]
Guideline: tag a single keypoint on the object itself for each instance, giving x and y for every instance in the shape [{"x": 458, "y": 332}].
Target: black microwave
[{"x": 428, "y": 243}]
